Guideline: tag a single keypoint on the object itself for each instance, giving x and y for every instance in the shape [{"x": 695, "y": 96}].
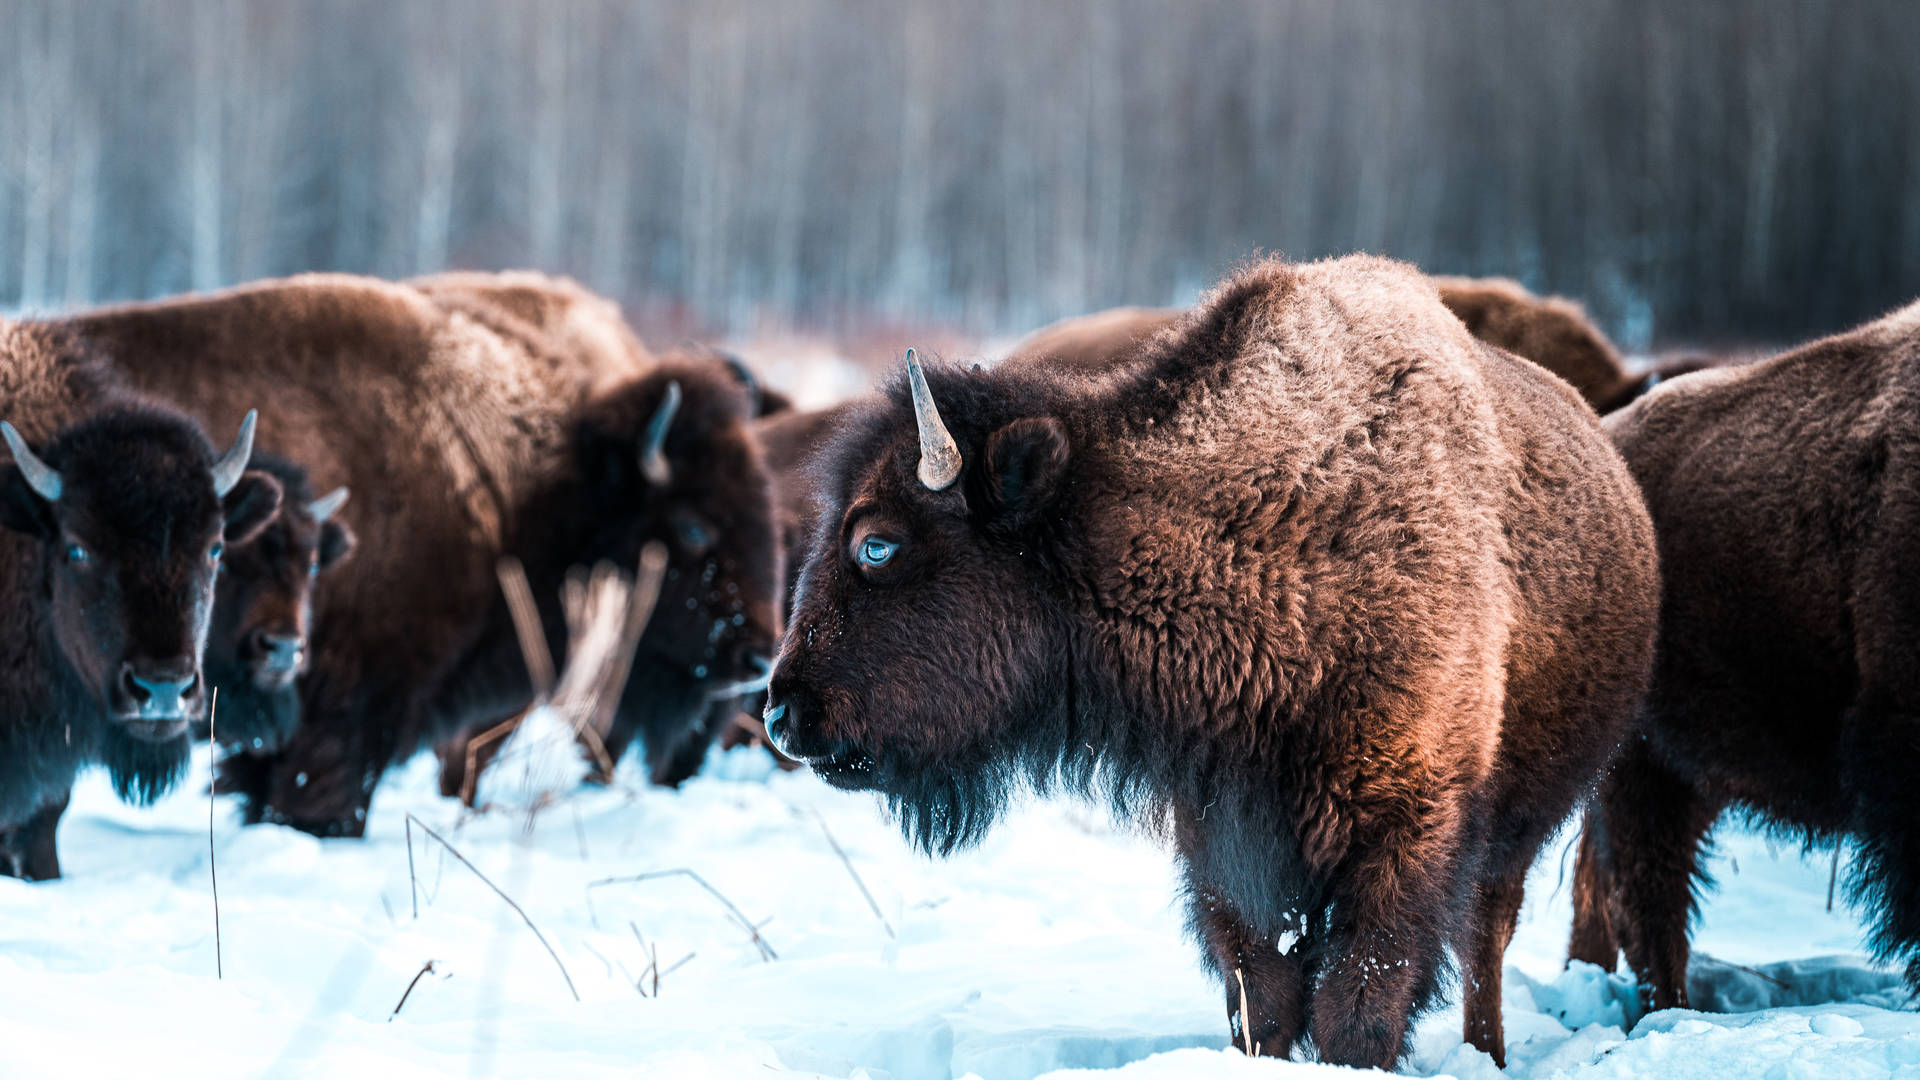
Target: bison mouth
[
  {"x": 270, "y": 679},
  {"x": 849, "y": 769},
  {"x": 154, "y": 729}
]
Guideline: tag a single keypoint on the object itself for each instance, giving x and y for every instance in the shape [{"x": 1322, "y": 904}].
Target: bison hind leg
[{"x": 1592, "y": 940}]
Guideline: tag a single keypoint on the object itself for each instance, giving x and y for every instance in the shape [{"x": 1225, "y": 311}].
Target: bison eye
[
  {"x": 874, "y": 552},
  {"x": 694, "y": 536},
  {"x": 218, "y": 549},
  {"x": 78, "y": 556}
]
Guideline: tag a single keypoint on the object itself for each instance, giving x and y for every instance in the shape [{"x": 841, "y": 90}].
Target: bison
[
  {"x": 1092, "y": 342},
  {"x": 263, "y": 610},
  {"x": 1786, "y": 496},
  {"x": 1555, "y": 333},
  {"x": 1550, "y": 331},
  {"x": 447, "y": 418},
  {"x": 1353, "y": 605},
  {"x": 114, "y": 529}
]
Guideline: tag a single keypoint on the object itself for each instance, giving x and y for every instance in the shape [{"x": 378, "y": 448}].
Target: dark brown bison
[
  {"x": 447, "y": 421},
  {"x": 1354, "y": 604},
  {"x": 554, "y": 316},
  {"x": 1548, "y": 330},
  {"x": 1555, "y": 333},
  {"x": 1093, "y": 342},
  {"x": 114, "y": 529},
  {"x": 1786, "y": 496},
  {"x": 728, "y": 492},
  {"x": 263, "y": 610}
]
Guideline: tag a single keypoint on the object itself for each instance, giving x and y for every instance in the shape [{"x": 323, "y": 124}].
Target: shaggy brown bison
[
  {"x": 263, "y": 610},
  {"x": 713, "y": 631},
  {"x": 1786, "y": 496},
  {"x": 448, "y": 422},
  {"x": 1555, "y": 333},
  {"x": 1550, "y": 331},
  {"x": 554, "y": 315},
  {"x": 114, "y": 529},
  {"x": 1092, "y": 342},
  {"x": 1356, "y": 605}
]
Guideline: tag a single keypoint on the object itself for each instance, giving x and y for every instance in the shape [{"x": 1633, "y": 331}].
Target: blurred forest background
[{"x": 1695, "y": 172}]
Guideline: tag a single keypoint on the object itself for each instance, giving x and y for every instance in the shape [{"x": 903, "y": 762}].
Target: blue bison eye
[
  {"x": 78, "y": 556},
  {"x": 875, "y": 551},
  {"x": 218, "y": 549}
]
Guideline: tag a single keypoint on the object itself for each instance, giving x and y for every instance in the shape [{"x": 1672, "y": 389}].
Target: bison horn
[
  {"x": 327, "y": 505},
  {"x": 939, "y": 454},
  {"x": 41, "y": 477},
  {"x": 653, "y": 451},
  {"x": 226, "y": 471}
]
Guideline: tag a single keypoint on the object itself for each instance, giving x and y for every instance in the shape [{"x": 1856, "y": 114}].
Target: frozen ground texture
[{"x": 1055, "y": 946}]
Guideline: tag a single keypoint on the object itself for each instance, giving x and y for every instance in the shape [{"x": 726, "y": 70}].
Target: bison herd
[{"x": 1337, "y": 581}]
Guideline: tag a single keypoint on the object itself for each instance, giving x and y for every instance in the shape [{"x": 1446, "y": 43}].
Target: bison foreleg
[
  {"x": 1392, "y": 915},
  {"x": 27, "y": 850},
  {"x": 1877, "y": 758}
]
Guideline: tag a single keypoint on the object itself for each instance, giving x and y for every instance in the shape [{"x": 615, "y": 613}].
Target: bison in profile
[
  {"x": 1786, "y": 496},
  {"x": 1354, "y": 605},
  {"x": 448, "y": 418},
  {"x": 114, "y": 529}
]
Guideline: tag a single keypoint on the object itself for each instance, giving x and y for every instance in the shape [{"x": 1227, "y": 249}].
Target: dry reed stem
[
  {"x": 408, "y": 992},
  {"x": 855, "y": 875},
  {"x": 767, "y": 953},
  {"x": 497, "y": 891},
  {"x": 213, "y": 869},
  {"x": 526, "y": 623},
  {"x": 1246, "y": 1016}
]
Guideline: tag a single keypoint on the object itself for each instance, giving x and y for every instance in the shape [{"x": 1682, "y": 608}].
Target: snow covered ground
[{"x": 1055, "y": 946}]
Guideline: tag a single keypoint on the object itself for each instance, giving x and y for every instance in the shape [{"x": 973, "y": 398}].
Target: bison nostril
[
  {"x": 159, "y": 694},
  {"x": 132, "y": 685},
  {"x": 775, "y": 719},
  {"x": 280, "y": 651}
]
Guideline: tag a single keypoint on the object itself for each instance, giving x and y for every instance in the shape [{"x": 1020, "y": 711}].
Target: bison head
[
  {"x": 134, "y": 511},
  {"x": 263, "y": 613},
  {"x": 929, "y": 643},
  {"x": 672, "y": 457}
]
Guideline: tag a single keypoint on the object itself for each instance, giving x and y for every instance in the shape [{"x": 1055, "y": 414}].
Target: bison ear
[
  {"x": 1026, "y": 467},
  {"x": 23, "y": 510},
  {"x": 336, "y": 542},
  {"x": 250, "y": 506}
]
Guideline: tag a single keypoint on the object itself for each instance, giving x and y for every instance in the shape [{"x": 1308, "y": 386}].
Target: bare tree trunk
[
  {"x": 437, "y": 107},
  {"x": 546, "y": 202},
  {"x": 205, "y": 157}
]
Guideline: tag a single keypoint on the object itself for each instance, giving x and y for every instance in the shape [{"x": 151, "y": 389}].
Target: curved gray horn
[
  {"x": 327, "y": 505},
  {"x": 226, "y": 471},
  {"x": 653, "y": 450},
  {"x": 939, "y": 454},
  {"x": 41, "y": 477}
]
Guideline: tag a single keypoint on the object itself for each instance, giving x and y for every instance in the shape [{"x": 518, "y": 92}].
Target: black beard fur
[{"x": 143, "y": 771}]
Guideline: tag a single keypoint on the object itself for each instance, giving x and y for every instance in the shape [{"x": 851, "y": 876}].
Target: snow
[{"x": 1055, "y": 950}]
